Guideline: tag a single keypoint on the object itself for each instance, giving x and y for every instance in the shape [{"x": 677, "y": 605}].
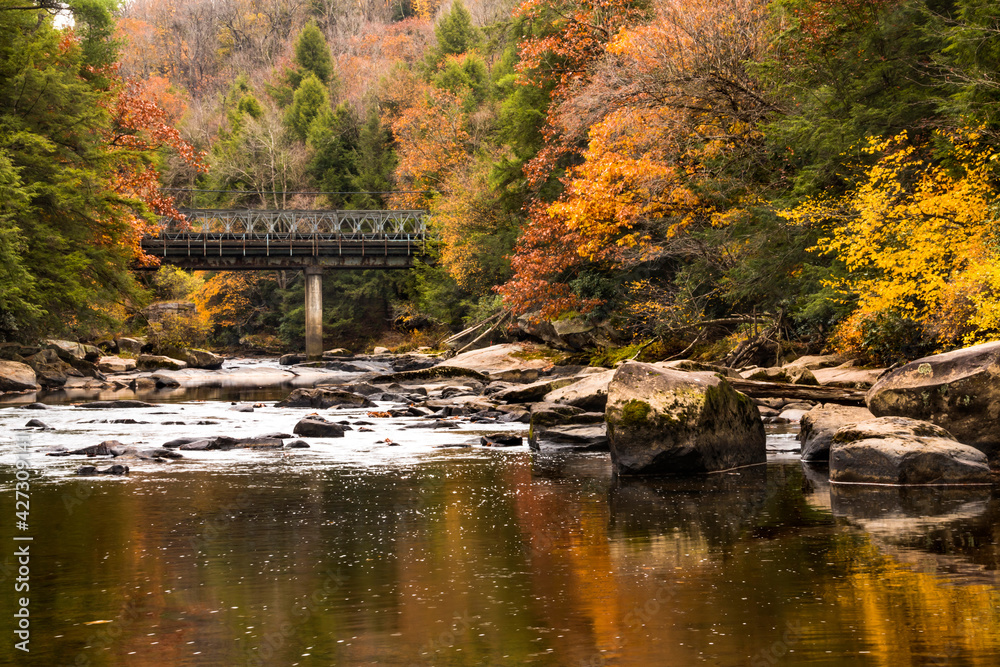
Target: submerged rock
[
  {"x": 113, "y": 470},
  {"x": 103, "y": 449},
  {"x": 674, "y": 422},
  {"x": 899, "y": 450},
  {"x": 501, "y": 440},
  {"x": 116, "y": 405},
  {"x": 958, "y": 390},
  {"x": 319, "y": 398}
]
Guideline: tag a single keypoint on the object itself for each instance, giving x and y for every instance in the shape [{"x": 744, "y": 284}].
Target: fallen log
[{"x": 757, "y": 389}]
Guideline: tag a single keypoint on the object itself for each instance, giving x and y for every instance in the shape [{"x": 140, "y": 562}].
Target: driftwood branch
[{"x": 757, "y": 389}]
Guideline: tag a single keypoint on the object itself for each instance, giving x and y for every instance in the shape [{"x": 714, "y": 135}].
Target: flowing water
[{"x": 356, "y": 552}]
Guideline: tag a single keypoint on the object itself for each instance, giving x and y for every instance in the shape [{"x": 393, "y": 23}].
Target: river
[{"x": 356, "y": 552}]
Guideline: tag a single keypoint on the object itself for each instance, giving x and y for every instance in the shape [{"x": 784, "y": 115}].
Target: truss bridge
[
  {"x": 310, "y": 241},
  {"x": 249, "y": 239}
]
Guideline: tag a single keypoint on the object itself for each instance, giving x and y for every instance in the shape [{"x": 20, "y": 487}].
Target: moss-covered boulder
[
  {"x": 663, "y": 421},
  {"x": 958, "y": 390}
]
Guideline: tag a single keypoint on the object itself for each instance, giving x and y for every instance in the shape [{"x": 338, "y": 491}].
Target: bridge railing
[{"x": 290, "y": 224}]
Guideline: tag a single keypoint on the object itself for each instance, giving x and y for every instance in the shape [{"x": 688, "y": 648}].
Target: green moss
[
  {"x": 545, "y": 353},
  {"x": 634, "y": 413}
]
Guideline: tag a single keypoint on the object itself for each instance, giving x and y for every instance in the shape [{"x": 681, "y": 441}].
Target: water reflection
[{"x": 479, "y": 557}]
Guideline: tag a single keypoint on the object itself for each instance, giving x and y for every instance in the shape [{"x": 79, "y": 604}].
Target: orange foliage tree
[
  {"x": 140, "y": 129},
  {"x": 669, "y": 108}
]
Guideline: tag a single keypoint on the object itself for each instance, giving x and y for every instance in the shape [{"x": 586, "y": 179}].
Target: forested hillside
[{"x": 820, "y": 172}]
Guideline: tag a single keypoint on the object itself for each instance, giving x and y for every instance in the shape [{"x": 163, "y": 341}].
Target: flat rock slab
[
  {"x": 505, "y": 357},
  {"x": 903, "y": 451}
]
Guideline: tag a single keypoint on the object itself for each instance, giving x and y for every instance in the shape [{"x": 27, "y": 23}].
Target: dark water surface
[{"x": 417, "y": 556}]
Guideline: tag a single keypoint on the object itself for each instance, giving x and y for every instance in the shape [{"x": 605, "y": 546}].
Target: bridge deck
[{"x": 254, "y": 240}]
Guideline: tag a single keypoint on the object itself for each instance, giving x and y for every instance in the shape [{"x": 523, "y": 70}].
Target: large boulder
[
  {"x": 71, "y": 351},
  {"x": 588, "y": 393},
  {"x": 15, "y": 376},
  {"x": 899, "y": 450},
  {"x": 320, "y": 399},
  {"x": 152, "y": 362},
  {"x": 675, "y": 422},
  {"x": 958, "y": 390},
  {"x": 819, "y": 425}
]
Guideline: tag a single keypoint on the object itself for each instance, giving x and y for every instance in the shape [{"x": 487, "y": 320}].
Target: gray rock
[
  {"x": 786, "y": 374},
  {"x": 674, "y": 422},
  {"x": 103, "y": 449},
  {"x": 112, "y": 470},
  {"x": 899, "y": 450},
  {"x": 957, "y": 390},
  {"x": 198, "y": 445},
  {"x": 319, "y": 399},
  {"x": 501, "y": 440},
  {"x": 116, "y": 405},
  {"x": 819, "y": 425},
  {"x": 131, "y": 346},
  {"x": 37, "y": 423},
  {"x": 848, "y": 376},
  {"x": 292, "y": 359},
  {"x": 71, "y": 351},
  {"x": 589, "y": 392},
  {"x": 116, "y": 365},
  {"x": 152, "y": 362},
  {"x": 582, "y": 437},
  {"x": 15, "y": 376},
  {"x": 297, "y": 444},
  {"x": 35, "y": 406},
  {"x": 313, "y": 427},
  {"x": 535, "y": 391},
  {"x": 177, "y": 442},
  {"x": 697, "y": 366}
]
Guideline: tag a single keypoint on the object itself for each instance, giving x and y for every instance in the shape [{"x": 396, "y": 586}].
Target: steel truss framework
[{"x": 249, "y": 224}]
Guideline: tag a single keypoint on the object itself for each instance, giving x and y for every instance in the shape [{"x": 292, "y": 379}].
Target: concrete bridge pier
[{"x": 314, "y": 312}]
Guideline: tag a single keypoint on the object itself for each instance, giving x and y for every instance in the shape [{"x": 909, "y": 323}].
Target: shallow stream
[{"x": 355, "y": 552}]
